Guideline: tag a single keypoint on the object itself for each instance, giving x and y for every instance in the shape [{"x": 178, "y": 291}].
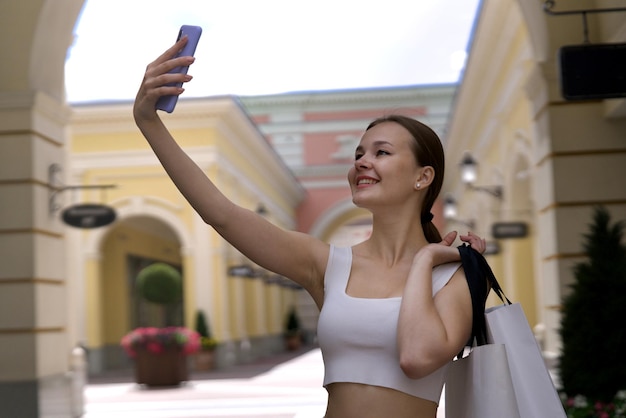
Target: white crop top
[{"x": 358, "y": 336}]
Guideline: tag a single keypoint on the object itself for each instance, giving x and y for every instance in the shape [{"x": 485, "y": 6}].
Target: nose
[{"x": 362, "y": 163}]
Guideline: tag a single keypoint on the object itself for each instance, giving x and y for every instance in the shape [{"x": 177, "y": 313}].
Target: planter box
[
  {"x": 204, "y": 360},
  {"x": 164, "y": 369}
]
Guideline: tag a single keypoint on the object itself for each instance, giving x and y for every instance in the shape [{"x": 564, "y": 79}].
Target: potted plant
[
  {"x": 205, "y": 357},
  {"x": 293, "y": 332},
  {"x": 160, "y": 354}
]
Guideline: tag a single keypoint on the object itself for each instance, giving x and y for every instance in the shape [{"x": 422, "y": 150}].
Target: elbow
[{"x": 416, "y": 367}]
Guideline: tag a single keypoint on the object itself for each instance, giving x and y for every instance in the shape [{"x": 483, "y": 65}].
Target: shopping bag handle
[{"x": 481, "y": 280}]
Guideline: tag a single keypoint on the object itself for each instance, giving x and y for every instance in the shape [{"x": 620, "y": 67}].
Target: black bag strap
[{"x": 480, "y": 280}]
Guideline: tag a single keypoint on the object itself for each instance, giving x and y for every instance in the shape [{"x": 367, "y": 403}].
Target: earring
[{"x": 417, "y": 185}]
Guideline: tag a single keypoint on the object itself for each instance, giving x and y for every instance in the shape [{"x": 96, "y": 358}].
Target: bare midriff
[{"x": 353, "y": 400}]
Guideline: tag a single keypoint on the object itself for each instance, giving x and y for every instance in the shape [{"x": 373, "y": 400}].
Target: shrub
[
  {"x": 292, "y": 325},
  {"x": 160, "y": 283},
  {"x": 207, "y": 342},
  {"x": 592, "y": 325}
]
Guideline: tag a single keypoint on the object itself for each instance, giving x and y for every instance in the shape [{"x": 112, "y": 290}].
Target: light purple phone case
[{"x": 167, "y": 103}]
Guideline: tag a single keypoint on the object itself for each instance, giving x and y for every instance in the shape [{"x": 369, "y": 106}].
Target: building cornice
[{"x": 415, "y": 94}]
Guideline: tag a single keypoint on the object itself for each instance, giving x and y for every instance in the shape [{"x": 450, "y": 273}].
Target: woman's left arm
[{"x": 431, "y": 331}]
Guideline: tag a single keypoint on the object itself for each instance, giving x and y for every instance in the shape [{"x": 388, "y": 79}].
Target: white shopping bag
[
  {"x": 480, "y": 386},
  {"x": 535, "y": 392}
]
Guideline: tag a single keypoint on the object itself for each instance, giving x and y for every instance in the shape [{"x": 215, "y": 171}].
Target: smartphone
[{"x": 167, "y": 103}]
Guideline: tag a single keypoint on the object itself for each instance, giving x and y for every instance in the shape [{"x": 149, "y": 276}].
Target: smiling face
[{"x": 385, "y": 169}]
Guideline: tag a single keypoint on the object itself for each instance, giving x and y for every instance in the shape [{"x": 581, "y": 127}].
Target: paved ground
[
  {"x": 277, "y": 387},
  {"x": 284, "y": 386}
]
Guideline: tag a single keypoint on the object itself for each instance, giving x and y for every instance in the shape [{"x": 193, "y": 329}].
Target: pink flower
[
  {"x": 154, "y": 347},
  {"x": 158, "y": 340}
]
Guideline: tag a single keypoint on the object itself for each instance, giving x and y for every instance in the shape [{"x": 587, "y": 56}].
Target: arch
[
  {"x": 143, "y": 206},
  {"x": 46, "y": 68},
  {"x": 344, "y": 209},
  {"x": 152, "y": 209}
]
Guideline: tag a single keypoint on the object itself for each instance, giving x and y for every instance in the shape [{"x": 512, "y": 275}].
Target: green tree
[{"x": 592, "y": 325}]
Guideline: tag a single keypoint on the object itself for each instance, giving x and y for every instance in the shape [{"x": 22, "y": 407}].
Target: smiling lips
[{"x": 365, "y": 181}]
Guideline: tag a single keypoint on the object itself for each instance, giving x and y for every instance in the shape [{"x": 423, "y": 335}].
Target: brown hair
[{"x": 428, "y": 151}]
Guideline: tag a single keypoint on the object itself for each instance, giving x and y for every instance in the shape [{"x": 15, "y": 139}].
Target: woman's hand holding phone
[
  {"x": 164, "y": 77},
  {"x": 192, "y": 33}
]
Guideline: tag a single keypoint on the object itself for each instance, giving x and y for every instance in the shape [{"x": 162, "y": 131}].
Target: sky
[{"x": 257, "y": 47}]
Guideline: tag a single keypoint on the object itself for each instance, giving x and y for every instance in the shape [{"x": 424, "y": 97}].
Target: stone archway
[
  {"x": 147, "y": 229},
  {"x": 341, "y": 214},
  {"x": 128, "y": 246}
]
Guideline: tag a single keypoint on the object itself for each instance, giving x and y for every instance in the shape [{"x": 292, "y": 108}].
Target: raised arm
[{"x": 295, "y": 255}]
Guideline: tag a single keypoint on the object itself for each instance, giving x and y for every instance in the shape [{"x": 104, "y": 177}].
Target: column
[{"x": 34, "y": 347}]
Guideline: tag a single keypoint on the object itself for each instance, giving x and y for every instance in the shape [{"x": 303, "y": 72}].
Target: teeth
[{"x": 367, "y": 181}]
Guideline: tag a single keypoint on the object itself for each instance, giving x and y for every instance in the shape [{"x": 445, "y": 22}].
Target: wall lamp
[
  {"x": 469, "y": 170},
  {"x": 56, "y": 187},
  {"x": 450, "y": 213}
]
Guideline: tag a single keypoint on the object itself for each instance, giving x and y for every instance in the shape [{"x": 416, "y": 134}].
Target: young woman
[{"x": 396, "y": 308}]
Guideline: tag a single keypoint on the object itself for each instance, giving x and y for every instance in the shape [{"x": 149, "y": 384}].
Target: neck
[{"x": 395, "y": 239}]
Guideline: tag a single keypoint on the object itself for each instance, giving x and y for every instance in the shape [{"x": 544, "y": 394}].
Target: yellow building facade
[
  {"x": 554, "y": 159},
  {"x": 155, "y": 223}
]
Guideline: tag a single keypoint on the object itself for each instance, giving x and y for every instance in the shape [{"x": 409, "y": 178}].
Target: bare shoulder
[
  {"x": 310, "y": 273},
  {"x": 457, "y": 287}
]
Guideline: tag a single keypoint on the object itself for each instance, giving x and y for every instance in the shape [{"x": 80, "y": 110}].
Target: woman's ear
[{"x": 426, "y": 176}]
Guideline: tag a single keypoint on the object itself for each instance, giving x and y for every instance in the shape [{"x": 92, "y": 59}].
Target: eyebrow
[{"x": 376, "y": 144}]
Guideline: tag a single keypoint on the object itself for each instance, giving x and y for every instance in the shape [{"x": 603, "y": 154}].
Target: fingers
[
  {"x": 160, "y": 79},
  {"x": 171, "y": 51},
  {"x": 449, "y": 238},
  {"x": 476, "y": 242},
  {"x": 158, "y": 71},
  {"x": 167, "y": 61}
]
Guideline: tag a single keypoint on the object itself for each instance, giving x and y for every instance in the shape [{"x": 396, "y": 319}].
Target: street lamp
[
  {"x": 469, "y": 170},
  {"x": 450, "y": 212}
]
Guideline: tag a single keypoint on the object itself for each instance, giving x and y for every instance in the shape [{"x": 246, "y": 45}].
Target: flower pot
[
  {"x": 293, "y": 342},
  {"x": 168, "y": 368},
  {"x": 204, "y": 360}
]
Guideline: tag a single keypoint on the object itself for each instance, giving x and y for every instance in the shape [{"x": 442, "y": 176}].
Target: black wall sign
[
  {"x": 509, "y": 230},
  {"x": 593, "y": 71},
  {"x": 88, "y": 215}
]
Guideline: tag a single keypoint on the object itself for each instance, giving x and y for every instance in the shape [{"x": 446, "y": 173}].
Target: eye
[
  {"x": 358, "y": 155},
  {"x": 382, "y": 152}
]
